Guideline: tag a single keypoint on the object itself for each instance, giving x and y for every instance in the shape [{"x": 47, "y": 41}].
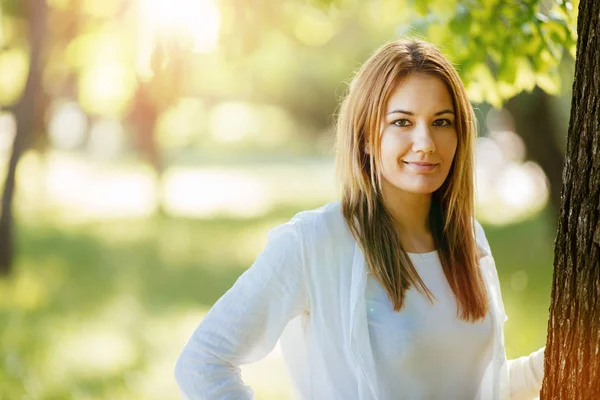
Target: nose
[{"x": 422, "y": 139}]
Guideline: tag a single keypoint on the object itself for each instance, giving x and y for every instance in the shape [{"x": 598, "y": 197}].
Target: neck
[{"x": 410, "y": 212}]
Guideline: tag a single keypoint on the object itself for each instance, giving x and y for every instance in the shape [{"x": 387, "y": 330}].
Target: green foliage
[
  {"x": 12, "y": 7},
  {"x": 500, "y": 47},
  {"x": 421, "y": 6}
]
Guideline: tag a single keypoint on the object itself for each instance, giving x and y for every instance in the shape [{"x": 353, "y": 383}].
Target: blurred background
[{"x": 147, "y": 146}]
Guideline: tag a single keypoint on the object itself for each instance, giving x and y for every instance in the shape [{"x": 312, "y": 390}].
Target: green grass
[
  {"x": 101, "y": 310},
  {"x": 525, "y": 248}
]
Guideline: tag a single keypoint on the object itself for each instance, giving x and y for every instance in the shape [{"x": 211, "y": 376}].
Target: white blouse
[
  {"x": 425, "y": 351},
  {"x": 307, "y": 289}
]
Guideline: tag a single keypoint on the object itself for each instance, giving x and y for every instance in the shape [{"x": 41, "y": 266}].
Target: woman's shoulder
[
  {"x": 328, "y": 214},
  {"x": 319, "y": 226},
  {"x": 482, "y": 242}
]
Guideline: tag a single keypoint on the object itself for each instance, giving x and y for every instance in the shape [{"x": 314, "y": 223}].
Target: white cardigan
[{"x": 307, "y": 288}]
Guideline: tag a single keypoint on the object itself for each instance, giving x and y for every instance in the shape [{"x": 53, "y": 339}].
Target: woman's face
[{"x": 419, "y": 137}]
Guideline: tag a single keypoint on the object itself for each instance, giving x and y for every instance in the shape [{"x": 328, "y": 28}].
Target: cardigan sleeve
[
  {"x": 526, "y": 375},
  {"x": 244, "y": 325}
]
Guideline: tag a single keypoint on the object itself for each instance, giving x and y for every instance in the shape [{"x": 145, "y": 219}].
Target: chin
[
  {"x": 417, "y": 189},
  {"x": 418, "y": 186},
  {"x": 422, "y": 190},
  {"x": 415, "y": 184}
]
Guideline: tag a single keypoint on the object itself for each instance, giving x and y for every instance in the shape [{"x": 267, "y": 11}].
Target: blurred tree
[
  {"x": 572, "y": 360},
  {"x": 29, "y": 115},
  {"x": 536, "y": 124},
  {"x": 170, "y": 65}
]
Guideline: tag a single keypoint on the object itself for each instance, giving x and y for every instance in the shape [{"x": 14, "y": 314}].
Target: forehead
[{"x": 420, "y": 93}]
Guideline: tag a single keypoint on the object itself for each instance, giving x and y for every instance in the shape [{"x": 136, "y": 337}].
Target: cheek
[
  {"x": 388, "y": 156},
  {"x": 392, "y": 147},
  {"x": 447, "y": 147}
]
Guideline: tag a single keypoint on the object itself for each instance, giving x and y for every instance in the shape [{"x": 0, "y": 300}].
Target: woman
[{"x": 391, "y": 293}]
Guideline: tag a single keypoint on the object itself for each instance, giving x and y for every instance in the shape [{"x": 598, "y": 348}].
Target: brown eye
[
  {"x": 401, "y": 122},
  {"x": 442, "y": 122}
]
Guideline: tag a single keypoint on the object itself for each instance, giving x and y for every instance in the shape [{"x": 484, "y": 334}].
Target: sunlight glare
[
  {"x": 516, "y": 186},
  {"x": 199, "y": 19},
  {"x": 88, "y": 190},
  {"x": 203, "y": 193},
  {"x": 67, "y": 125},
  {"x": 508, "y": 190},
  {"x": 107, "y": 88},
  {"x": 107, "y": 138}
]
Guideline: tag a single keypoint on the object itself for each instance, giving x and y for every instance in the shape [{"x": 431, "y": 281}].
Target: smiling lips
[{"x": 420, "y": 166}]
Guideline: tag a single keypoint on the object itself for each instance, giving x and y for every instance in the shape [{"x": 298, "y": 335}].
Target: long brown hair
[{"x": 452, "y": 207}]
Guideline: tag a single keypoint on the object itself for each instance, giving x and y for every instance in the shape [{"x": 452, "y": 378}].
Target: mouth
[{"x": 421, "y": 167}]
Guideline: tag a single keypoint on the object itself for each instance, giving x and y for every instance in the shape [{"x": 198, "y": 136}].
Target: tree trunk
[
  {"x": 143, "y": 118},
  {"x": 27, "y": 112},
  {"x": 572, "y": 359}
]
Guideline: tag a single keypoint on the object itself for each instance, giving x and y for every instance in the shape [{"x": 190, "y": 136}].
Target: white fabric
[
  {"x": 308, "y": 288},
  {"x": 426, "y": 342}
]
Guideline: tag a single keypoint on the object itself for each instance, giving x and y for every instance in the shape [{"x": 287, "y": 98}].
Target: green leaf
[
  {"x": 525, "y": 76},
  {"x": 445, "y": 8},
  {"x": 14, "y": 8},
  {"x": 507, "y": 71},
  {"x": 421, "y": 7},
  {"x": 572, "y": 49},
  {"x": 436, "y": 33},
  {"x": 482, "y": 85},
  {"x": 549, "y": 82},
  {"x": 461, "y": 23},
  {"x": 507, "y": 90}
]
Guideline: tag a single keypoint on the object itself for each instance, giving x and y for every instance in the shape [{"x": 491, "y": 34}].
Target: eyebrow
[{"x": 447, "y": 111}]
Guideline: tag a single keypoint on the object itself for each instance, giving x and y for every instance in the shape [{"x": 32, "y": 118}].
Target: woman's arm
[
  {"x": 244, "y": 325},
  {"x": 526, "y": 375}
]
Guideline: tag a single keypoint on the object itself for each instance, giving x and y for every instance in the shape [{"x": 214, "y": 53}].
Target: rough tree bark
[
  {"x": 28, "y": 113},
  {"x": 572, "y": 359}
]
